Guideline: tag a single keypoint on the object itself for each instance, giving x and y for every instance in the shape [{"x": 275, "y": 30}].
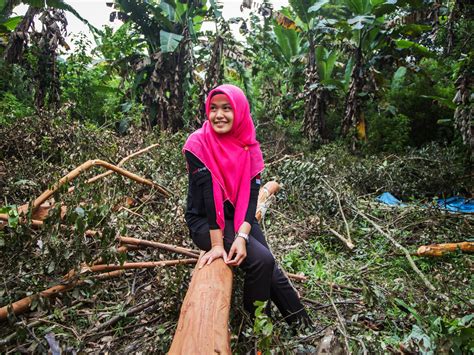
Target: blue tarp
[
  {"x": 452, "y": 204},
  {"x": 389, "y": 199},
  {"x": 457, "y": 204}
]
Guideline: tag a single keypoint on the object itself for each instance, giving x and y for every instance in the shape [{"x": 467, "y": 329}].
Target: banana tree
[
  {"x": 168, "y": 28},
  {"x": 315, "y": 124},
  {"x": 315, "y": 23},
  {"x": 51, "y": 15},
  {"x": 365, "y": 28}
]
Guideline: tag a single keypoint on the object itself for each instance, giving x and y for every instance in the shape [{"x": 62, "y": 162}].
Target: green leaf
[
  {"x": 418, "y": 48},
  {"x": 347, "y": 73},
  {"x": 447, "y": 102},
  {"x": 35, "y": 3},
  {"x": 12, "y": 22},
  {"x": 409, "y": 309},
  {"x": 168, "y": 10},
  {"x": 319, "y": 4},
  {"x": 181, "y": 9},
  {"x": 359, "y": 7},
  {"x": 331, "y": 61},
  {"x": 2, "y": 4},
  {"x": 398, "y": 78},
  {"x": 358, "y": 22},
  {"x": 216, "y": 8},
  {"x": 169, "y": 41}
]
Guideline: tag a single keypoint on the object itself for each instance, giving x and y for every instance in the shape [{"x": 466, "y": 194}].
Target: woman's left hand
[{"x": 238, "y": 252}]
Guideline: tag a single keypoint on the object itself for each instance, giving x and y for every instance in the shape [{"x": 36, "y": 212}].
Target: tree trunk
[
  {"x": 463, "y": 116},
  {"x": 314, "y": 123},
  {"x": 163, "y": 96},
  {"x": 214, "y": 76},
  {"x": 352, "y": 115}
]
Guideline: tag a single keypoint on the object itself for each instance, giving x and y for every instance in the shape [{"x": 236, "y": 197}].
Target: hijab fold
[{"x": 232, "y": 158}]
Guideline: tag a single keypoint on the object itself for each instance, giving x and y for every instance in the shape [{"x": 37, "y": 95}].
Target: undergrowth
[{"x": 370, "y": 296}]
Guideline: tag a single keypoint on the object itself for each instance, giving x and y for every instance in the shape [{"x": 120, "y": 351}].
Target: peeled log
[
  {"x": 442, "y": 249},
  {"x": 203, "y": 321}
]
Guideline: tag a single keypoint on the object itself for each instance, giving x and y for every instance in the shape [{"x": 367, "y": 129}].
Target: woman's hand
[
  {"x": 238, "y": 250},
  {"x": 216, "y": 252}
]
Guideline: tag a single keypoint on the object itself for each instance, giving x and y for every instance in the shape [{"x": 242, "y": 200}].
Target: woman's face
[{"x": 221, "y": 114}]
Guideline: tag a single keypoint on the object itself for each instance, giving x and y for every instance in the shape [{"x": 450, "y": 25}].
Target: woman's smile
[{"x": 221, "y": 114}]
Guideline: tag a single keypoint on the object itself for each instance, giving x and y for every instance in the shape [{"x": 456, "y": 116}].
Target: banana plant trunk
[
  {"x": 214, "y": 76},
  {"x": 164, "y": 94},
  {"x": 352, "y": 114},
  {"x": 463, "y": 116},
  {"x": 314, "y": 123}
]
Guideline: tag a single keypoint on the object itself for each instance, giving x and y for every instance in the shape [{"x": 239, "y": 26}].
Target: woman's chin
[{"x": 221, "y": 130}]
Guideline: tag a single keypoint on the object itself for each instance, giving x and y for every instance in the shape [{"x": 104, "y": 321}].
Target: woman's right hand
[{"x": 216, "y": 252}]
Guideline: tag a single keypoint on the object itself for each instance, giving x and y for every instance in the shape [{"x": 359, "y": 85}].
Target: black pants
[{"x": 263, "y": 278}]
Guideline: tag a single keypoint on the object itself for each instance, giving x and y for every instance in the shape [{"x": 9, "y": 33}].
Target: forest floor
[{"x": 371, "y": 298}]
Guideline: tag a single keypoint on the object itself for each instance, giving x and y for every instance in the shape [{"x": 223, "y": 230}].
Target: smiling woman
[
  {"x": 224, "y": 163},
  {"x": 221, "y": 114}
]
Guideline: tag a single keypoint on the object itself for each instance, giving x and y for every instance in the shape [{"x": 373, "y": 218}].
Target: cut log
[
  {"x": 203, "y": 321},
  {"x": 442, "y": 249}
]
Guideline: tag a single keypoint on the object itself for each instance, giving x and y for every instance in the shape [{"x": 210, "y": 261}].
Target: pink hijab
[{"x": 233, "y": 158}]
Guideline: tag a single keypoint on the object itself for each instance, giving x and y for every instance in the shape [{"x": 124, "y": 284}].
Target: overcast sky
[{"x": 97, "y": 13}]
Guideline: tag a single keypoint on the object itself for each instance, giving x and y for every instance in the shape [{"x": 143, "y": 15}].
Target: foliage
[
  {"x": 296, "y": 228},
  {"x": 395, "y": 67},
  {"x": 11, "y": 109}
]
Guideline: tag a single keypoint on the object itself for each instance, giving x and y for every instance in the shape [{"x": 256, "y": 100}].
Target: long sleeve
[
  {"x": 252, "y": 207},
  {"x": 201, "y": 176}
]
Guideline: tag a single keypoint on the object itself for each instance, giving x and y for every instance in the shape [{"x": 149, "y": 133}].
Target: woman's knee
[{"x": 267, "y": 261}]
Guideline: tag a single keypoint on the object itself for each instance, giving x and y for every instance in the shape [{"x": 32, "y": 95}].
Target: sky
[{"x": 97, "y": 13}]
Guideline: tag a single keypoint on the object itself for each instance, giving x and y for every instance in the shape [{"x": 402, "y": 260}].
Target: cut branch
[
  {"x": 140, "y": 265},
  {"x": 442, "y": 249},
  {"x": 402, "y": 248},
  {"x": 346, "y": 242},
  {"x": 86, "y": 166},
  {"x": 117, "y": 318},
  {"x": 123, "y": 161},
  {"x": 203, "y": 321},
  {"x": 147, "y": 243},
  {"x": 24, "y": 304}
]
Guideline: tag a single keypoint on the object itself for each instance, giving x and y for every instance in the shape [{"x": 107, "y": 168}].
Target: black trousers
[{"x": 263, "y": 278}]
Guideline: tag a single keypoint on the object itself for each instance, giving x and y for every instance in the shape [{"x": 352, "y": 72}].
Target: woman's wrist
[
  {"x": 245, "y": 228},
  {"x": 216, "y": 237}
]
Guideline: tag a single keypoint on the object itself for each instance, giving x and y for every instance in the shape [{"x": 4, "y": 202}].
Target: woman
[{"x": 224, "y": 164}]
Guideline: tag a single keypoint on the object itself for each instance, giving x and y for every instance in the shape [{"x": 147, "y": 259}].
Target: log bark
[
  {"x": 203, "y": 321},
  {"x": 442, "y": 249}
]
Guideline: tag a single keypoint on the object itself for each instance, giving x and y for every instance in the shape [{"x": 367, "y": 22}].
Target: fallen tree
[
  {"x": 442, "y": 249},
  {"x": 203, "y": 321}
]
